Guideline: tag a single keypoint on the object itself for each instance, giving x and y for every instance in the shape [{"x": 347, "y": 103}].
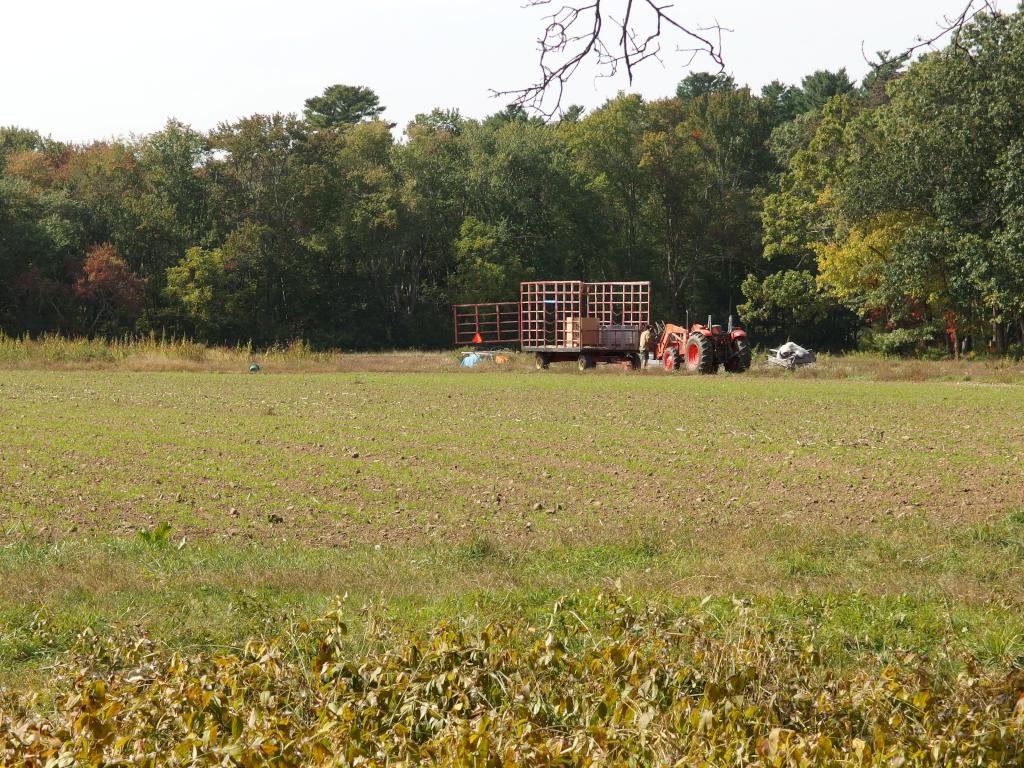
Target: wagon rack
[{"x": 561, "y": 320}]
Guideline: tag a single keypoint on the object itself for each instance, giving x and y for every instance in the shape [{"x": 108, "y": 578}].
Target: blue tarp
[{"x": 470, "y": 360}]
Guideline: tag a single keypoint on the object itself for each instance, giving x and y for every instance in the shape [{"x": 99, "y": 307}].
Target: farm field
[
  {"x": 429, "y": 490},
  {"x": 884, "y": 518}
]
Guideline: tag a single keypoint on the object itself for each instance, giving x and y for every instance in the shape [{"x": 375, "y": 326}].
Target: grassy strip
[{"x": 210, "y": 595}]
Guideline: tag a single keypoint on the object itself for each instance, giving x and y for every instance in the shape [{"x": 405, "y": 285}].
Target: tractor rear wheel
[
  {"x": 670, "y": 360},
  {"x": 700, "y": 354},
  {"x": 585, "y": 361},
  {"x": 541, "y": 361},
  {"x": 743, "y": 356}
]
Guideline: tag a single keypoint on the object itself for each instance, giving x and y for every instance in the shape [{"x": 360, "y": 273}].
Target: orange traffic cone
[{"x": 477, "y": 339}]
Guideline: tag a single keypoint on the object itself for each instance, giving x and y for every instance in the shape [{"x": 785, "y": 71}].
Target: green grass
[{"x": 888, "y": 514}]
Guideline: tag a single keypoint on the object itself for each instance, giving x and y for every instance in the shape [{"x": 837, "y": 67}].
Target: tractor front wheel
[
  {"x": 670, "y": 360},
  {"x": 541, "y": 361},
  {"x": 742, "y": 358},
  {"x": 700, "y": 354}
]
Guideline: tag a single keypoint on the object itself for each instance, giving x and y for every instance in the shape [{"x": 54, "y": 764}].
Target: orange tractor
[{"x": 703, "y": 348}]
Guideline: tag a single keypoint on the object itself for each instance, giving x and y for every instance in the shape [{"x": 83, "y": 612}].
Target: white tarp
[{"x": 791, "y": 355}]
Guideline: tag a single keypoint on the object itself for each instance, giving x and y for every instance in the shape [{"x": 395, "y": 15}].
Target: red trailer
[
  {"x": 561, "y": 320},
  {"x": 493, "y": 324}
]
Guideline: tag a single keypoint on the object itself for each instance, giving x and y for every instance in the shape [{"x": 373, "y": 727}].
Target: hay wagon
[{"x": 562, "y": 320}]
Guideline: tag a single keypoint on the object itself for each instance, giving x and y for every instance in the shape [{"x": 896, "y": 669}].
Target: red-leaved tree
[{"x": 110, "y": 293}]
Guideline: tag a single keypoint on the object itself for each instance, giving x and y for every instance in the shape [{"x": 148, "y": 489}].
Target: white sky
[{"x": 88, "y": 69}]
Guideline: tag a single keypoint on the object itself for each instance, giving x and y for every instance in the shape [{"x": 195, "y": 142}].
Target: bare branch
[
  {"x": 578, "y": 32},
  {"x": 952, "y": 25}
]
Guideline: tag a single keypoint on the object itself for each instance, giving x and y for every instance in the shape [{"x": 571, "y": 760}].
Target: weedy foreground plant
[{"x": 599, "y": 682}]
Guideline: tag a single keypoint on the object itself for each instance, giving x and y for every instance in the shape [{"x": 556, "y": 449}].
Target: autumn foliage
[
  {"x": 109, "y": 291},
  {"x": 603, "y": 682},
  {"x": 901, "y": 192}
]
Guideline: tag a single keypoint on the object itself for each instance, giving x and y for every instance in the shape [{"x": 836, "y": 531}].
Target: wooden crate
[{"x": 582, "y": 332}]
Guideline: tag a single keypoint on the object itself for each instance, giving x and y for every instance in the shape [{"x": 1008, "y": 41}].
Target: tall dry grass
[
  {"x": 153, "y": 353},
  {"x": 875, "y": 367}
]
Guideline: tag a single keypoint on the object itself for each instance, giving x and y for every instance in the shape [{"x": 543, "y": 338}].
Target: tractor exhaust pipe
[{"x": 730, "y": 323}]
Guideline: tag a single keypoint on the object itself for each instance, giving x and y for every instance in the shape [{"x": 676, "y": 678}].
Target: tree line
[{"x": 887, "y": 213}]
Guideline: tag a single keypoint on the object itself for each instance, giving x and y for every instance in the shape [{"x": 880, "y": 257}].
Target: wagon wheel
[
  {"x": 585, "y": 361},
  {"x": 541, "y": 362}
]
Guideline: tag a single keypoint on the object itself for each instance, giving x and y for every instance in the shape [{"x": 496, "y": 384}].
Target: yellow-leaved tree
[{"x": 850, "y": 264}]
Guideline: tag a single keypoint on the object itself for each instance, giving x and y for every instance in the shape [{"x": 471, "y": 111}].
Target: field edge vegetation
[
  {"x": 165, "y": 354},
  {"x": 592, "y": 680}
]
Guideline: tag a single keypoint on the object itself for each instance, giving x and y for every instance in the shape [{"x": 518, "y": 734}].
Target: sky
[{"x": 82, "y": 71}]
